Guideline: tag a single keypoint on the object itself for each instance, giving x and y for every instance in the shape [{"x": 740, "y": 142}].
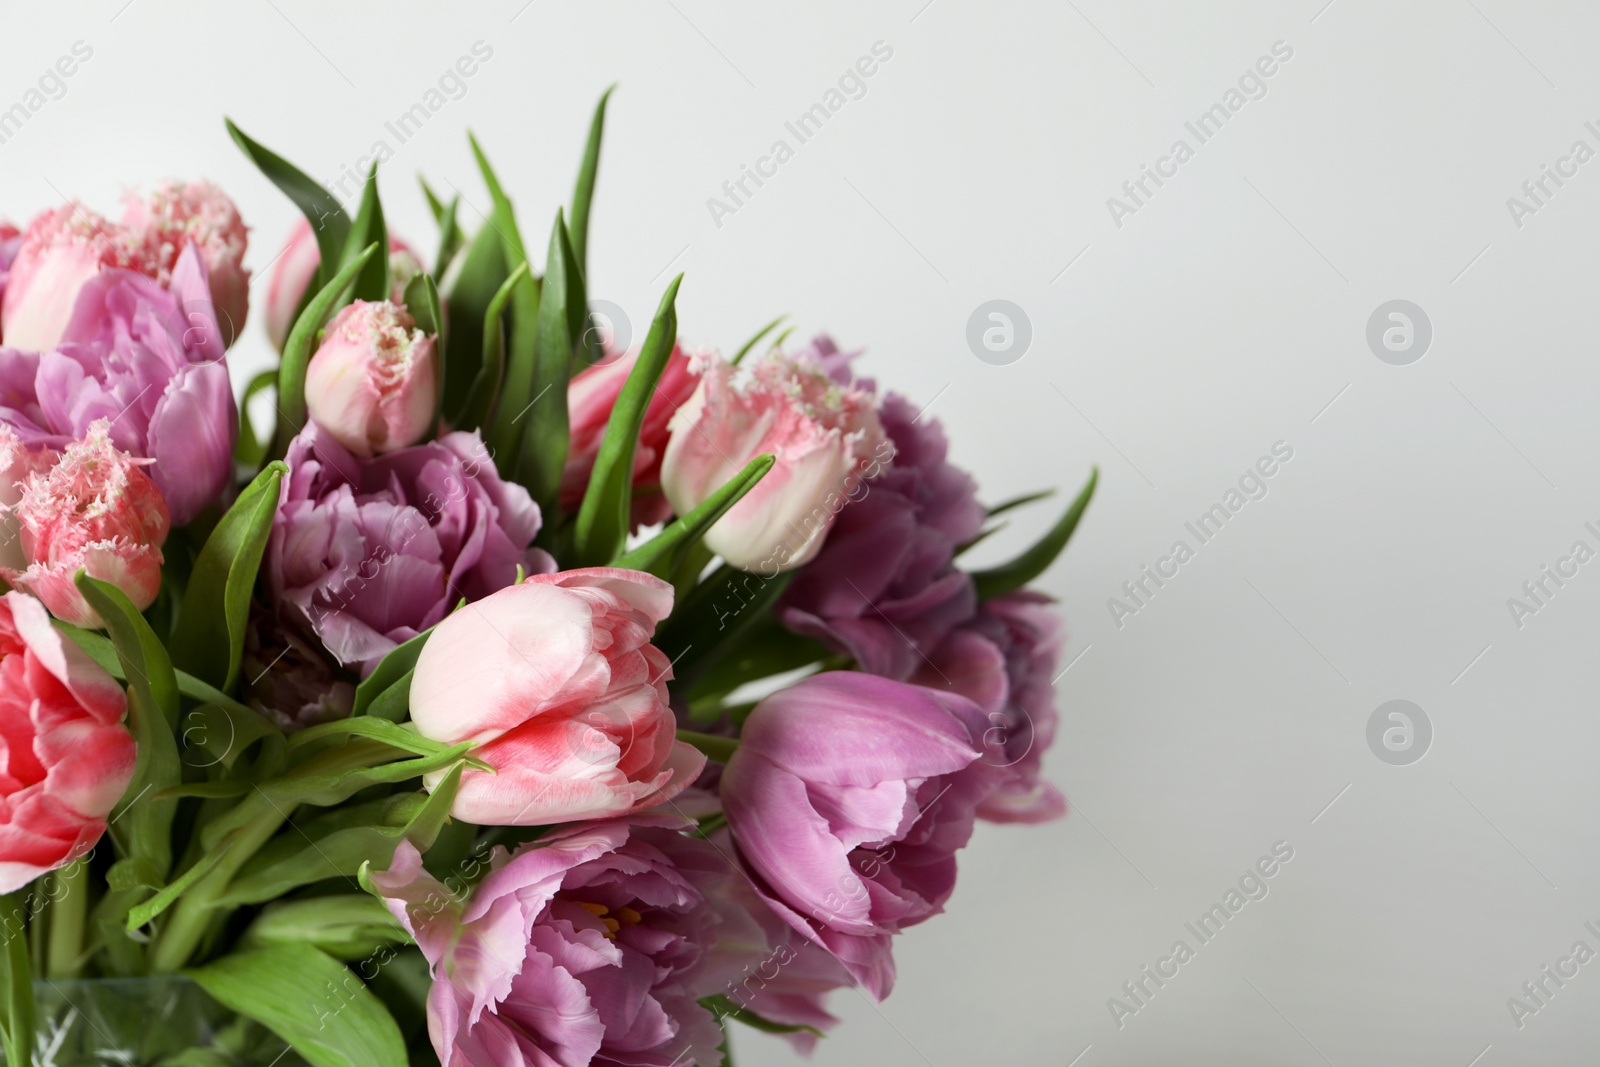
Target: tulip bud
[
  {"x": 61, "y": 250},
  {"x": 373, "y": 385},
  {"x": 297, "y": 264},
  {"x": 826, "y": 437},
  {"x": 180, "y": 213},
  {"x": 94, "y": 510}
]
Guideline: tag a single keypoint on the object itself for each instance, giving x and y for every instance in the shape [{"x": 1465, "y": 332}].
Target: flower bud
[
  {"x": 94, "y": 510},
  {"x": 373, "y": 385},
  {"x": 180, "y": 213}
]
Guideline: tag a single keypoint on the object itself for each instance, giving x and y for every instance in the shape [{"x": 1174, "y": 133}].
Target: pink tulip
[
  {"x": 297, "y": 264},
  {"x": 590, "y": 397},
  {"x": 18, "y": 463},
  {"x": 68, "y": 756},
  {"x": 95, "y": 510},
  {"x": 826, "y": 437},
  {"x": 374, "y": 383},
  {"x": 178, "y": 214},
  {"x": 556, "y": 682},
  {"x": 62, "y": 250}
]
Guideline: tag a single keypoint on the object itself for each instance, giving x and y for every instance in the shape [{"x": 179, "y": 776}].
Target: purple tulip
[
  {"x": 848, "y": 797},
  {"x": 591, "y": 944},
  {"x": 150, "y": 360},
  {"x": 368, "y": 553},
  {"x": 1005, "y": 661},
  {"x": 884, "y": 589}
]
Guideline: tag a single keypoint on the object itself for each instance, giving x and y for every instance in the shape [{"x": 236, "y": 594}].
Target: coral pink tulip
[{"x": 178, "y": 214}]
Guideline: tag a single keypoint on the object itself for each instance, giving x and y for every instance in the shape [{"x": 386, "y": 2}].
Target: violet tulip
[
  {"x": 1005, "y": 661},
  {"x": 93, "y": 511},
  {"x": 557, "y": 684},
  {"x": 589, "y": 945},
  {"x": 152, "y": 362},
  {"x": 68, "y": 755},
  {"x": 178, "y": 214},
  {"x": 884, "y": 589},
  {"x": 368, "y": 553},
  {"x": 848, "y": 797},
  {"x": 373, "y": 384},
  {"x": 826, "y": 438}
]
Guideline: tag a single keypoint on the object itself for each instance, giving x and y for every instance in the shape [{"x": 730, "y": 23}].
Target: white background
[{"x": 1224, "y": 316}]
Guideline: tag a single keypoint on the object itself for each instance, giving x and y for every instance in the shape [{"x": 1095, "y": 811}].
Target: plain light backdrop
[{"x": 1226, "y": 313}]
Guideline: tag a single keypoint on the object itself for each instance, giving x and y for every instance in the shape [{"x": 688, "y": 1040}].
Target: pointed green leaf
[
  {"x": 1008, "y": 577},
  {"x": 480, "y": 405},
  {"x": 393, "y": 667},
  {"x": 1020, "y": 501},
  {"x": 208, "y": 640},
  {"x": 724, "y": 1007},
  {"x": 482, "y": 272},
  {"x": 252, "y": 449},
  {"x": 604, "y": 518},
  {"x": 18, "y": 979},
  {"x": 308, "y": 999},
  {"x": 541, "y": 423},
  {"x": 656, "y": 554},
  {"x": 328, "y": 221},
  {"x": 714, "y": 617},
  {"x": 738, "y": 356},
  {"x": 142, "y": 824},
  {"x": 374, "y": 282},
  {"x": 583, "y": 194},
  {"x": 297, "y": 351}
]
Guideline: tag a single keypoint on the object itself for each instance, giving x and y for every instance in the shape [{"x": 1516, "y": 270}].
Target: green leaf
[
  {"x": 479, "y": 407},
  {"x": 298, "y": 349},
  {"x": 583, "y": 194},
  {"x": 525, "y": 304},
  {"x": 719, "y": 749},
  {"x": 328, "y": 221},
  {"x": 308, "y": 999},
  {"x": 369, "y": 228},
  {"x": 1008, "y": 577},
  {"x": 372, "y": 729},
  {"x": 542, "y": 452},
  {"x": 303, "y": 855},
  {"x": 169, "y": 894},
  {"x": 603, "y": 519},
  {"x": 251, "y": 449},
  {"x": 143, "y": 824},
  {"x": 347, "y": 927},
  {"x": 18, "y": 1004},
  {"x": 657, "y": 554},
  {"x": 391, "y": 669},
  {"x": 208, "y": 640},
  {"x": 435, "y": 204},
  {"x": 481, "y": 275},
  {"x": 449, "y": 238},
  {"x": 738, "y": 356},
  {"x": 1020, "y": 501},
  {"x": 723, "y": 1006},
  {"x": 422, "y": 300},
  {"x": 716, "y": 614},
  {"x": 223, "y": 731}
]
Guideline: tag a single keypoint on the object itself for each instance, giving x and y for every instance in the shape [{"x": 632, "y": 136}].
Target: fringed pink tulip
[
  {"x": 67, "y": 758},
  {"x": 556, "y": 683},
  {"x": 178, "y": 214},
  {"x": 18, "y": 463},
  {"x": 826, "y": 437},
  {"x": 374, "y": 382},
  {"x": 94, "y": 511},
  {"x": 61, "y": 250}
]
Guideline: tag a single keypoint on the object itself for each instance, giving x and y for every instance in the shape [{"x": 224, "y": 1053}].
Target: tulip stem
[
  {"x": 69, "y": 905},
  {"x": 720, "y": 749}
]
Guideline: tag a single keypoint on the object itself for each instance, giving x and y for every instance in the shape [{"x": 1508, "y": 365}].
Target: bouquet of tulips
[{"x": 509, "y": 699}]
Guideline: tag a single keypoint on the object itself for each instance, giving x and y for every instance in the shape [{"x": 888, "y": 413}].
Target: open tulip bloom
[{"x": 419, "y": 724}]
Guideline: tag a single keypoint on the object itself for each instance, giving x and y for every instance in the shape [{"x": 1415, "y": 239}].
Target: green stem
[
  {"x": 69, "y": 906},
  {"x": 19, "y": 980},
  {"x": 192, "y": 915}
]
